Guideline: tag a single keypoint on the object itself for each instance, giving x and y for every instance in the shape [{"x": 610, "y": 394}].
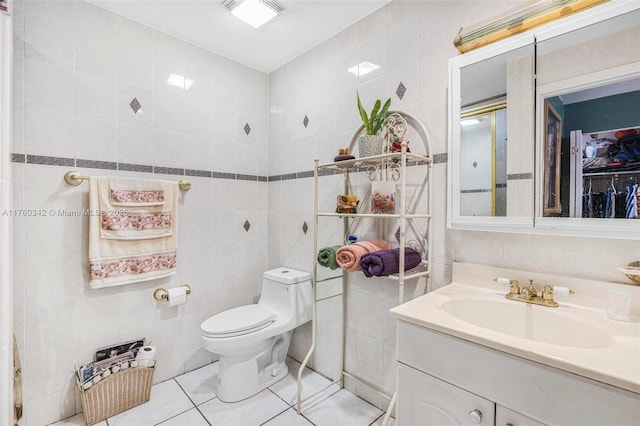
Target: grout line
[
  {"x": 279, "y": 414},
  {"x": 381, "y": 416},
  {"x": 184, "y": 391},
  {"x": 377, "y": 418},
  {"x": 179, "y": 414},
  {"x": 307, "y": 419},
  {"x": 279, "y": 397},
  {"x": 194, "y": 404}
]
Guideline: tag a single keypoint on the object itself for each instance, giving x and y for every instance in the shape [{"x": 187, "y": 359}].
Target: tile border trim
[
  {"x": 144, "y": 168},
  {"x": 519, "y": 176},
  {"x": 440, "y": 158},
  {"x": 477, "y": 190},
  {"x": 129, "y": 167}
]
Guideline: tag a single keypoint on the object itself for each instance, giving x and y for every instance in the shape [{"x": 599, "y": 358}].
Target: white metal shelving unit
[{"x": 406, "y": 217}]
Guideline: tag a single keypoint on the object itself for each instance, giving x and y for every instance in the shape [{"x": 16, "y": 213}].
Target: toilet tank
[{"x": 288, "y": 292}]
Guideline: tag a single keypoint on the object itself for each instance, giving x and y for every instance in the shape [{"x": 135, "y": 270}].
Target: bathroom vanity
[{"x": 467, "y": 355}]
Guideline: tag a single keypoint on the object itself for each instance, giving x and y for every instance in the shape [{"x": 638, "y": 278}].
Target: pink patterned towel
[
  {"x": 128, "y": 243},
  {"x": 348, "y": 257}
]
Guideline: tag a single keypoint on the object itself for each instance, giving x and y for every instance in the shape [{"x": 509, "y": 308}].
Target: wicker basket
[{"x": 117, "y": 393}]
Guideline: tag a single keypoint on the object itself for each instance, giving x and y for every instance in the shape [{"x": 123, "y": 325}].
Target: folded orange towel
[{"x": 348, "y": 257}]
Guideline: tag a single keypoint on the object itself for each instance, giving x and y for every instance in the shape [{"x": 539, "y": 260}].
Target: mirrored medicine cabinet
[{"x": 544, "y": 128}]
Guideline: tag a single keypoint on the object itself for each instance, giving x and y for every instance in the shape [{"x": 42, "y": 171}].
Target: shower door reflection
[{"x": 483, "y": 159}]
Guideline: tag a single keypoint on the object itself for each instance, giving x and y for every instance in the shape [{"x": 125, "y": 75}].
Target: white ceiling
[
  {"x": 626, "y": 86},
  {"x": 207, "y": 23}
]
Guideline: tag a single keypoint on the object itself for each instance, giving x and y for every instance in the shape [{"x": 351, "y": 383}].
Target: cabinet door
[
  {"x": 427, "y": 401},
  {"x": 507, "y": 417}
]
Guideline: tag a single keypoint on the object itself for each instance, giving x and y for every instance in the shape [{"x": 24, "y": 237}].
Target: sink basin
[{"x": 525, "y": 321}]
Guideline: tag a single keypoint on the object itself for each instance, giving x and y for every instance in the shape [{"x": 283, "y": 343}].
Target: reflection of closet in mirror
[
  {"x": 609, "y": 196},
  {"x": 600, "y": 141},
  {"x": 483, "y": 154},
  {"x": 591, "y": 78},
  {"x": 606, "y": 164}
]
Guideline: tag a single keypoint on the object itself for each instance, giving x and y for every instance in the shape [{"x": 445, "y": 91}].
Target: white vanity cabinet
[
  {"x": 507, "y": 417},
  {"x": 427, "y": 401},
  {"x": 445, "y": 380}
]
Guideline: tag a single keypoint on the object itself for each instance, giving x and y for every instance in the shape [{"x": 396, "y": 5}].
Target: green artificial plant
[{"x": 373, "y": 122}]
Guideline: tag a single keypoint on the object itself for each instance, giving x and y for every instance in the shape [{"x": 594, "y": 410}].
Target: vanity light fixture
[
  {"x": 254, "y": 12},
  {"x": 363, "y": 68},
  {"x": 517, "y": 20}
]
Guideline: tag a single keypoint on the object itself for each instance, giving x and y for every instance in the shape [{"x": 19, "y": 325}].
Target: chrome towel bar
[{"x": 74, "y": 178}]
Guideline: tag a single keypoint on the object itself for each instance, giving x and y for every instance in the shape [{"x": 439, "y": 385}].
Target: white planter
[{"x": 369, "y": 145}]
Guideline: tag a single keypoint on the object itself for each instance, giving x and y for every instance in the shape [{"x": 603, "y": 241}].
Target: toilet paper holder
[{"x": 161, "y": 293}]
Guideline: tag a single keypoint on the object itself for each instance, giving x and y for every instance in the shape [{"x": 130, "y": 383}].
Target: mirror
[
  {"x": 565, "y": 109},
  {"x": 493, "y": 172},
  {"x": 588, "y": 87},
  {"x": 483, "y": 150}
]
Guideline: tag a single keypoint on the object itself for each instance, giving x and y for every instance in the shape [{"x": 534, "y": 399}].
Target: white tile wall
[
  {"x": 76, "y": 69},
  {"x": 94, "y": 34},
  {"x": 48, "y": 32},
  {"x": 48, "y": 132},
  {"x": 6, "y": 231},
  {"x": 413, "y": 42}
]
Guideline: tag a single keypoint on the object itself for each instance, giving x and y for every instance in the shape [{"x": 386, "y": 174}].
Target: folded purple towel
[{"x": 386, "y": 262}]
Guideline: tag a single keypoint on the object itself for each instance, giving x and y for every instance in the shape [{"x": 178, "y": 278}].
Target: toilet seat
[{"x": 237, "y": 321}]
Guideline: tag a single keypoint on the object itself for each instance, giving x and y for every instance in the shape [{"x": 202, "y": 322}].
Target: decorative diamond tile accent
[
  {"x": 475, "y": 164},
  {"x": 397, "y": 234},
  {"x": 246, "y": 225},
  {"x": 247, "y": 128},
  {"x": 305, "y": 227},
  {"x": 135, "y": 105},
  {"x": 305, "y": 121},
  {"x": 401, "y": 90}
]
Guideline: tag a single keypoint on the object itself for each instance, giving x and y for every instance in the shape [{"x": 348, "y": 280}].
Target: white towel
[
  {"x": 135, "y": 192},
  {"x": 137, "y": 213},
  {"x": 133, "y": 243}
]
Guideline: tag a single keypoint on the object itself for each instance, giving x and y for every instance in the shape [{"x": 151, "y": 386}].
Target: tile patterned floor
[{"x": 190, "y": 400}]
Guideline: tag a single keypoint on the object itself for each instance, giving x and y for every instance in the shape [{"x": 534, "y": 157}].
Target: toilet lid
[{"x": 236, "y": 320}]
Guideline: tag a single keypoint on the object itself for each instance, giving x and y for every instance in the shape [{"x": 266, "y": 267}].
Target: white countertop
[{"x": 616, "y": 364}]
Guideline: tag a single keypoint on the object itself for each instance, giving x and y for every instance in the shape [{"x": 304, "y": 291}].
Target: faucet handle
[
  {"x": 547, "y": 292},
  {"x": 547, "y": 296},
  {"x": 514, "y": 287}
]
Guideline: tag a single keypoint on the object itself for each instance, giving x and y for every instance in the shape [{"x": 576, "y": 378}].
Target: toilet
[{"x": 252, "y": 340}]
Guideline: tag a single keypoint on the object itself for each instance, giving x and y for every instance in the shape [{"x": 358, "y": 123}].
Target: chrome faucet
[{"x": 529, "y": 294}]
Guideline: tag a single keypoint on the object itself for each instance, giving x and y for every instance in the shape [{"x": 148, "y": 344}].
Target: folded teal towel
[{"x": 327, "y": 257}]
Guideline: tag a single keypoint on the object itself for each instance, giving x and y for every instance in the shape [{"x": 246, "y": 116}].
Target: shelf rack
[{"x": 402, "y": 159}]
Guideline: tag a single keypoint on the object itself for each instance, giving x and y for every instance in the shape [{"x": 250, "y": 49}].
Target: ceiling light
[
  {"x": 469, "y": 122},
  {"x": 179, "y": 81},
  {"x": 363, "y": 68},
  {"x": 254, "y": 12}
]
